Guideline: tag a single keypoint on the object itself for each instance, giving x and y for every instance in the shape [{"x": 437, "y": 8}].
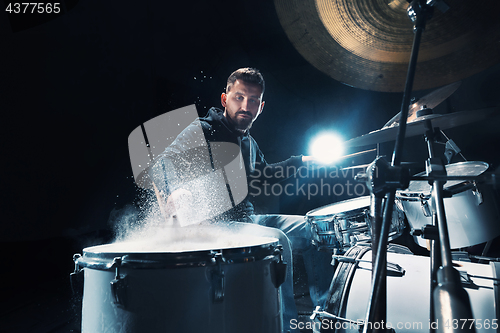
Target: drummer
[{"x": 242, "y": 103}]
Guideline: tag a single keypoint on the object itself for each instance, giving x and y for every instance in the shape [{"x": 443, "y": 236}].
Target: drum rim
[
  {"x": 319, "y": 217},
  {"x": 230, "y": 255},
  {"x": 409, "y": 195}
]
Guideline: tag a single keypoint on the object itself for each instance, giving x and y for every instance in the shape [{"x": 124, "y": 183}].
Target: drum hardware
[
  {"x": 382, "y": 179},
  {"x": 278, "y": 267},
  {"x": 466, "y": 280},
  {"x": 119, "y": 284},
  {"x": 466, "y": 277},
  {"x": 484, "y": 258},
  {"x": 392, "y": 268},
  {"x": 448, "y": 283},
  {"x": 426, "y": 232},
  {"x": 318, "y": 313},
  {"x": 218, "y": 279},
  {"x": 451, "y": 149},
  {"x": 76, "y": 279},
  {"x": 341, "y": 282}
]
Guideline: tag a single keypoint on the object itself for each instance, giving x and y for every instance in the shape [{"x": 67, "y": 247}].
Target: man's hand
[{"x": 179, "y": 203}]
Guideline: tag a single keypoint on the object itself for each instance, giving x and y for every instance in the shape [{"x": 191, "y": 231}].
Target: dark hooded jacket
[{"x": 216, "y": 128}]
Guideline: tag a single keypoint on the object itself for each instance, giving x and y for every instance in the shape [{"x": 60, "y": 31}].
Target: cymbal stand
[
  {"x": 419, "y": 11},
  {"x": 449, "y": 301}
]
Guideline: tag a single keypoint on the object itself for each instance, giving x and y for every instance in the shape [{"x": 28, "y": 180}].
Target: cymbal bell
[
  {"x": 367, "y": 43},
  {"x": 430, "y": 100},
  {"x": 417, "y": 127}
]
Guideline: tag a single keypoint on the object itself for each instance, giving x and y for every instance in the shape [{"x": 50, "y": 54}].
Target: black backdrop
[{"x": 73, "y": 88}]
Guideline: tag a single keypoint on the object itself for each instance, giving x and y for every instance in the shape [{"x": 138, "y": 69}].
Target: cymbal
[
  {"x": 430, "y": 100},
  {"x": 367, "y": 43},
  {"x": 417, "y": 127}
]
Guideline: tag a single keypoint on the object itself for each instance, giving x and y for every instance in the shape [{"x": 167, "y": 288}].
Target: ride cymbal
[{"x": 367, "y": 43}]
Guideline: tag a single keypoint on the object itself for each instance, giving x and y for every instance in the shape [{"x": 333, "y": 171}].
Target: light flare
[{"x": 327, "y": 148}]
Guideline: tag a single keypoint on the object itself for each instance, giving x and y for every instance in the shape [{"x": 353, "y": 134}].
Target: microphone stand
[{"x": 384, "y": 180}]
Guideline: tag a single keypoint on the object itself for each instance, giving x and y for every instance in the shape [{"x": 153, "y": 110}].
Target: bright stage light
[{"x": 327, "y": 148}]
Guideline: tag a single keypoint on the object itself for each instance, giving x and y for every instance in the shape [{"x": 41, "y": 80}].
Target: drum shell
[
  {"x": 181, "y": 299},
  {"x": 343, "y": 224},
  {"x": 411, "y": 312},
  {"x": 471, "y": 219}
]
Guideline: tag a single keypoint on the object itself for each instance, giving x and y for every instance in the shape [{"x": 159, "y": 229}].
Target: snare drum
[
  {"x": 228, "y": 286},
  {"x": 471, "y": 213},
  {"x": 409, "y": 313},
  {"x": 343, "y": 224}
]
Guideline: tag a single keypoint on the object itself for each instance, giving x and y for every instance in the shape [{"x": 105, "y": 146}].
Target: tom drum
[
  {"x": 343, "y": 224},
  {"x": 222, "y": 285},
  {"x": 471, "y": 212}
]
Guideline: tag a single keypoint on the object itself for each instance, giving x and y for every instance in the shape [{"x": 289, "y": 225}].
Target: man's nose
[{"x": 244, "y": 104}]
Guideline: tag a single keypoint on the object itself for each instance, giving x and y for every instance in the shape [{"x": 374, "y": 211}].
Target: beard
[{"x": 241, "y": 124}]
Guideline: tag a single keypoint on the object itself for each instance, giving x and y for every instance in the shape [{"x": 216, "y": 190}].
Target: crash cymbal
[
  {"x": 417, "y": 127},
  {"x": 430, "y": 100},
  {"x": 367, "y": 43}
]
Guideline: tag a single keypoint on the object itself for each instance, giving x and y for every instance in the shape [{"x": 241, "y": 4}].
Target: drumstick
[{"x": 160, "y": 202}]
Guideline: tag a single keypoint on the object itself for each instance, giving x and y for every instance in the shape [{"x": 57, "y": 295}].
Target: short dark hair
[{"x": 248, "y": 75}]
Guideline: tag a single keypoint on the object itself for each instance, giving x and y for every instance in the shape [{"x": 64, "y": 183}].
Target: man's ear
[
  {"x": 223, "y": 99},
  {"x": 262, "y": 107}
]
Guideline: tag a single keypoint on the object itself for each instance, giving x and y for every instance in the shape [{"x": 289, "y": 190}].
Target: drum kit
[
  {"x": 472, "y": 217},
  {"x": 375, "y": 282},
  {"x": 367, "y": 51}
]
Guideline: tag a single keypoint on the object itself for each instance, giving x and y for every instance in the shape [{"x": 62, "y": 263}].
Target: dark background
[{"x": 73, "y": 88}]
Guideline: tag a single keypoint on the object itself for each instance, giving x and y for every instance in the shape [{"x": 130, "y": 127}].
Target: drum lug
[
  {"x": 218, "y": 279},
  {"x": 393, "y": 269},
  {"x": 119, "y": 284},
  {"x": 425, "y": 207},
  {"x": 278, "y": 268},
  {"x": 75, "y": 278},
  {"x": 478, "y": 195},
  {"x": 427, "y": 232}
]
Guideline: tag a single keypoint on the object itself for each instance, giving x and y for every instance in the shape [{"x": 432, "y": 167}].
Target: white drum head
[
  {"x": 470, "y": 169},
  {"x": 187, "y": 239},
  {"x": 341, "y": 207}
]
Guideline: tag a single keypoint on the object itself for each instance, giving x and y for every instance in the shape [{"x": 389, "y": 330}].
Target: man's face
[{"x": 242, "y": 104}]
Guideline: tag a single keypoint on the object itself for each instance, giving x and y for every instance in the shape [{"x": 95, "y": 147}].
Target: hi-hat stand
[{"x": 449, "y": 301}]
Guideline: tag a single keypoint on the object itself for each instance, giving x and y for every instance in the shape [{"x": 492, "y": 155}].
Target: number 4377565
[{"x": 33, "y": 7}]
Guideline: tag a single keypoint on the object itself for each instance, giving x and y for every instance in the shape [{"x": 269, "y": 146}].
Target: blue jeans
[{"x": 294, "y": 234}]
